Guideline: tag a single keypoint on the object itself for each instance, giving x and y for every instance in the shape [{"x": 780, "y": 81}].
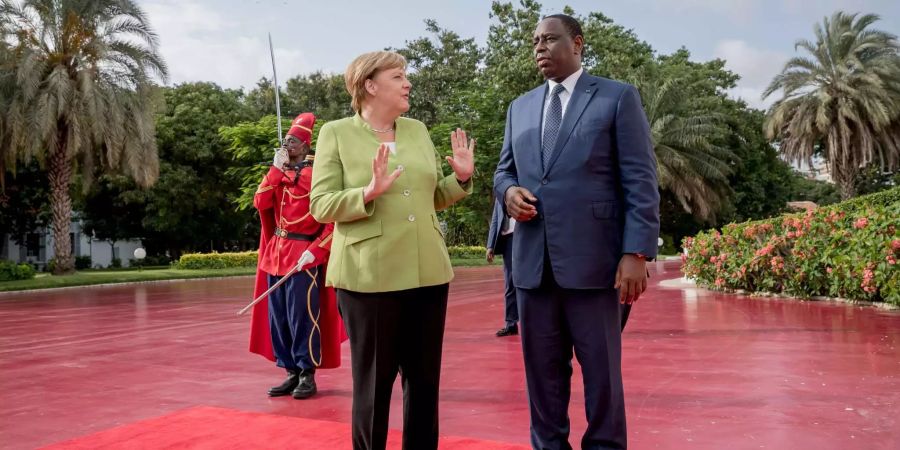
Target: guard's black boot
[
  {"x": 307, "y": 387},
  {"x": 289, "y": 384}
]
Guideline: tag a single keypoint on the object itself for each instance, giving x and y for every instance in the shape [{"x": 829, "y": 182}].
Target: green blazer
[{"x": 394, "y": 242}]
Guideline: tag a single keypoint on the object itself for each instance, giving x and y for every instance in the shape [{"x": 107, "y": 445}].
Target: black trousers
[
  {"x": 511, "y": 313},
  {"x": 391, "y": 332}
]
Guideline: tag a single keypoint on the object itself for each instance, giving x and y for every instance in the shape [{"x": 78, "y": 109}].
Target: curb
[{"x": 81, "y": 286}]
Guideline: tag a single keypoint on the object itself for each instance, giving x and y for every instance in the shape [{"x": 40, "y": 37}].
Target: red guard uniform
[{"x": 298, "y": 327}]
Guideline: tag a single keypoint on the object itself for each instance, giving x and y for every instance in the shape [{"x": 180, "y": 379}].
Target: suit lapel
[
  {"x": 534, "y": 106},
  {"x": 585, "y": 89}
]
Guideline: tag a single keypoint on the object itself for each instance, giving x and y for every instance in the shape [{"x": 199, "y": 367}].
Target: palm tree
[
  {"x": 844, "y": 98},
  {"x": 82, "y": 72},
  {"x": 690, "y": 166}
]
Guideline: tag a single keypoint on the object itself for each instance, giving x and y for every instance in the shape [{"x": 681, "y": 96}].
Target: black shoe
[
  {"x": 285, "y": 388},
  {"x": 307, "y": 387},
  {"x": 509, "y": 330}
]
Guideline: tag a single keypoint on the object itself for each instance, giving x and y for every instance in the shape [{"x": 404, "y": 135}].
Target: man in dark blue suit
[
  {"x": 499, "y": 241},
  {"x": 578, "y": 173}
]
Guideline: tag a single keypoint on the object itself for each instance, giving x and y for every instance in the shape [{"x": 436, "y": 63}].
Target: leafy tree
[
  {"x": 81, "y": 75},
  {"x": 190, "y": 206},
  {"x": 443, "y": 70},
  {"x": 611, "y": 51},
  {"x": 24, "y": 202},
  {"x": 107, "y": 214},
  {"x": 250, "y": 146},
  {"x": 845, "y": 96},
  {"x": 322, "y": 94}
]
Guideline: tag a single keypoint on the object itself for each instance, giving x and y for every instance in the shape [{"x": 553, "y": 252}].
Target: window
[{"x": 33, "y": 245}]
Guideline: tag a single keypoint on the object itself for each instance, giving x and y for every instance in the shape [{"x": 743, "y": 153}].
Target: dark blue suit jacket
[
  {"x": 493, "y": 241},
  {"x": 597, "y": 197}
]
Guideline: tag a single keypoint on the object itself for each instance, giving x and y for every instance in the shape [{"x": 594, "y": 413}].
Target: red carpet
[{"x": 205, "y": 427}]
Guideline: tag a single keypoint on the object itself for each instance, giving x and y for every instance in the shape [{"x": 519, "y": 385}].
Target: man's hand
[
  {"x": 631, "y": 278},
  {"x": 517, "y": 204},
  {"x": 490, "y": 256},
  {"x": 281, "y": 158}
]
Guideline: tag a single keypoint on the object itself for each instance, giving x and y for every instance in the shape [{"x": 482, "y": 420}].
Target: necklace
[{"x": 381, "y": 131}]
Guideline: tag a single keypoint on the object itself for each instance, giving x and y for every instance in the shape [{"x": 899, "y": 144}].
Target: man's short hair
[{"x": 571, "y": 24}]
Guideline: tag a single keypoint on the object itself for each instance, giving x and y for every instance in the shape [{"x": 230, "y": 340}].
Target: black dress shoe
[
  {"x": 510, "y": 330},
  {"x": 285, "y": 388},
  {"x": 307, "y": 387}
]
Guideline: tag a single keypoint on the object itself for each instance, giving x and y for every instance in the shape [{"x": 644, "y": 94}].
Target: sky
[{"x": 225, "y": 41}]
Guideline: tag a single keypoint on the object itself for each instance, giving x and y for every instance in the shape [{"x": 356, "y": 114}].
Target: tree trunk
[
  {"x": 844, "y": 176},
  {"x": 60, "y": 176},
  {"x": 844, "y": 169},
  {"x": 848, "y": 189}
]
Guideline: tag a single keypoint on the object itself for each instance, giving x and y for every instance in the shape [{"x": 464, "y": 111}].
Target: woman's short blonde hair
[{"x": 366, "y": 66}]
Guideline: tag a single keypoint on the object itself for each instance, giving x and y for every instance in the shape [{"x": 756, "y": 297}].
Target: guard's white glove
[
  {"x": 281, "y": 158},
  {"x": 306, "y": 259}
]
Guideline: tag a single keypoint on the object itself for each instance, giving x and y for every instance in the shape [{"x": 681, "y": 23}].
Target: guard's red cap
[{"x": 302, "y": 127}]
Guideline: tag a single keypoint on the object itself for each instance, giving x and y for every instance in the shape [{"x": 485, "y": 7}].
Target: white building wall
[{"x": 101, "y": 252}]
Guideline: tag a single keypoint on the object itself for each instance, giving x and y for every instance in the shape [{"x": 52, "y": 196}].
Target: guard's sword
[
  {"x": 275, "y": 82},
  {"x": 303, "y": 261}
]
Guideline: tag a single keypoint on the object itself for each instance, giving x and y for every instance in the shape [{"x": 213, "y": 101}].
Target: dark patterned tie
[{"x": 551, "y": 124}]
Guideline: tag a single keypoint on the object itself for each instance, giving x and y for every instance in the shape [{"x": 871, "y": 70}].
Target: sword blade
[
  {"x": 275, "y": 82},
  {"x": 269, "y": 291}
]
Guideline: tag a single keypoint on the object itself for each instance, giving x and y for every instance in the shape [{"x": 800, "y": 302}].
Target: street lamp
[{"x": 140, "y": 254}]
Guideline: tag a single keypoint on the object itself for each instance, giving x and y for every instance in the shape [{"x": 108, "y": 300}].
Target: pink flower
[
  {"x": 720, "y": 282},
  {"x": 712, "y": 259},
  {"x": 777, "y": 263},
  {"x": 891, "y": 260},
  {"x": 895, "y": 244},
  {"x": 861, "y": 223},
  {"x": 765, "y": 250},
  {"x": 829, "y": 270}
]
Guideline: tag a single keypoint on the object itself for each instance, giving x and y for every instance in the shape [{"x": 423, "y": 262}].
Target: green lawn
[
  {"x": 86, "y": 278},
  {"x": 89, "y": 277}
]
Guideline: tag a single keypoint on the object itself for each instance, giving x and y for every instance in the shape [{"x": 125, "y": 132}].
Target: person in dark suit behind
[
  {"x": 499, "y": 241},
  {"x": 578, "y": 173}
]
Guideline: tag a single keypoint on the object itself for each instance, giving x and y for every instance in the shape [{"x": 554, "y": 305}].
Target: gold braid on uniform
[{"x": 315, "y": 320}]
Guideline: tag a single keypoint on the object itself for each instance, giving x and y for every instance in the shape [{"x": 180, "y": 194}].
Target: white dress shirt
[{"x": 510, "y": 227}]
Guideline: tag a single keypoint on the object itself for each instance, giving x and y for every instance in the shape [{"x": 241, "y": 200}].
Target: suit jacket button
[
  {"x": 406, "y": 192},
  {"x": 544, "y": 181},
  {"x": 412, "y": 218}
]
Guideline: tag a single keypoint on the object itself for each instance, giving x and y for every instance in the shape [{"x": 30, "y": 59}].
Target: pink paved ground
[{"x": 702, "y": 370}]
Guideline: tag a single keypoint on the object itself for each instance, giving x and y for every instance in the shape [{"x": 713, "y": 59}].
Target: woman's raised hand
[{"x": 381, "y": 180}]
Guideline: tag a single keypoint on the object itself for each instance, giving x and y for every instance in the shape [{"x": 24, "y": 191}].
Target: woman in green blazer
[{"x": 378, "y": 177}]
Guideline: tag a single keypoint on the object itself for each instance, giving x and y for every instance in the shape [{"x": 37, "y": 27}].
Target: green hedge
[
  {"x": 248, "y": 259},
  {"x": 467, "y": 251},
  {"x": 216, "y": 260},
  {"x": 10, "y": 271},
  {"x": 847, "y": 250}
]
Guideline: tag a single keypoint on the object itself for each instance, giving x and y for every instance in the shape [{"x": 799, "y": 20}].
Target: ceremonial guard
[{"x": 298, "y": 327}]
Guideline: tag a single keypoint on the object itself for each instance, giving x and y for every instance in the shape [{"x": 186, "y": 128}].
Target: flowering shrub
[{"x": 848, "y": 250}]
